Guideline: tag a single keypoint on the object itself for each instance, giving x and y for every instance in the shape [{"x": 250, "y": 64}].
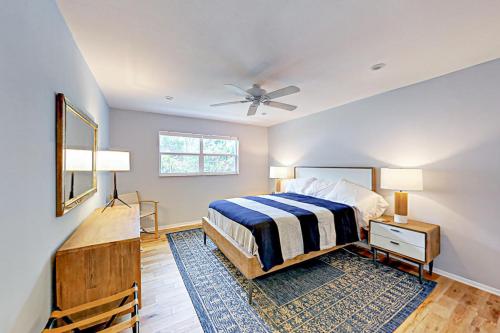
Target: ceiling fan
[{"x": 256, "y": 95}]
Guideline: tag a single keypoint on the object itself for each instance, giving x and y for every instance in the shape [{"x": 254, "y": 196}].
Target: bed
[{"x": 239, "y": 242}]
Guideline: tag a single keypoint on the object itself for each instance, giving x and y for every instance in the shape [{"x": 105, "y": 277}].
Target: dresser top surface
[
  {"x": 115, "y": 224},
  {"x": 411, "y": 225}
]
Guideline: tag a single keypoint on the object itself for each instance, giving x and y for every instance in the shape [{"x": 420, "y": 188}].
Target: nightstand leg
[
  {"x": 420, "y": 271},
  {"x": 374, "y": 250},
  {"x": 387, "y": 257},
  {"x": 431, "y": 266},
  {"x": 204, "y": 238}
]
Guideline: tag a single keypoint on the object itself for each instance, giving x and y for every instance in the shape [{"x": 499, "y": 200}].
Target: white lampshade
[
  {"x": 78, "y": 160},
  {"x": 113, "y": 160},
  {"x": 280, "y": 172},
  {"x": 401, "y": 179}
]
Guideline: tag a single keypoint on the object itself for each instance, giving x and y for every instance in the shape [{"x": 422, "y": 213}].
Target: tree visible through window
[{"x": 195, "y": 154}]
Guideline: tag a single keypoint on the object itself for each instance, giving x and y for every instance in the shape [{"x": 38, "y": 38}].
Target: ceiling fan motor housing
[
  {"x": 256, "y": 95},
  {"x": 256, "y": 91}
]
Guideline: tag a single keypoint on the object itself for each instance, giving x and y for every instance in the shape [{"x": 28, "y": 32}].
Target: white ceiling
[{"x": 140, "y": 51}]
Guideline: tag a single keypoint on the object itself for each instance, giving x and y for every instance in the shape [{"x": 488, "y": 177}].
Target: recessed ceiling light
[
  {"x": 376, "y": 67},
  {"x": 169, "y": 98},
  {"x": 264, "y": 113}
]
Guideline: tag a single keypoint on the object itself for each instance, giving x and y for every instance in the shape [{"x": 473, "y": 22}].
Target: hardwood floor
[
  {"x": 452, "y": 306},
  {"x": 166, "y": 306}
]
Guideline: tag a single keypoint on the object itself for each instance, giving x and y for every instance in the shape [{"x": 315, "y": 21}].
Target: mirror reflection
[
  {"x": 76, "y": 156},
  {"x": 78, "y": 172}
]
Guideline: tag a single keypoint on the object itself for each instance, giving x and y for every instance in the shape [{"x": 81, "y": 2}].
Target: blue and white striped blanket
[{"x": 287, "y": 224}]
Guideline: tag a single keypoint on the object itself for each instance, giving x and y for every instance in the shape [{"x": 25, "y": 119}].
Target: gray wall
[
  {"x": 449, "y": 126},
  {"x": 38, "y": 58},
  {"x": 185, "y": 199}
]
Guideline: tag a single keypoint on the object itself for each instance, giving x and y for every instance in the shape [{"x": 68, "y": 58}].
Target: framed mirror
[{"x": 76, "y": 148}]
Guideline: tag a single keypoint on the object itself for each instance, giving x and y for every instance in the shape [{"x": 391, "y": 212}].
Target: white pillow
[
  {"x": 298, "y": 185},
  {"x": 320, "y": 188},
  {"x": 370, "y": 204}
]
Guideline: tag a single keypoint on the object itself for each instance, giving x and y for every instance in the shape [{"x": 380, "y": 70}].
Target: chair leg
[
  {"x": 156, "y": 220},
  {"x": 135, "y": 311}
]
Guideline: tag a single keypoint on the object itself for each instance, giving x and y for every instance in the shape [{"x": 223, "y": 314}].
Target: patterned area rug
[{"x": 336, "y": 292}]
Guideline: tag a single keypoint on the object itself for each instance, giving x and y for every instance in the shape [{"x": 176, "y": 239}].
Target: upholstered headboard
[{"x": 364, "y": 176}]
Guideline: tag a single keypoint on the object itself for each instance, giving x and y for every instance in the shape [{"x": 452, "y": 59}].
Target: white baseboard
[
  {"x": 472, "y": 283},
  {"x": 457, "y": 278},
  {"x": 452, "y": 276},
  {"x": 168, "y": 226}
]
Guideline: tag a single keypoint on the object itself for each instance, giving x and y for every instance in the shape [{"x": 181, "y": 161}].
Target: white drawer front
[
  {"x": 406, "y": 249},
  {"x": 398, "y": 234}
]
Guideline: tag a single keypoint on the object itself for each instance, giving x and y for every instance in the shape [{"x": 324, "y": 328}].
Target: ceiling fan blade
[
  {"x": 228, "y": 103},
  {"x": 253, "y": 109},
  {"x": 283, "y": 92},
  {"x": 279, "y": 105},
  {"x": 237, "y": 89}
]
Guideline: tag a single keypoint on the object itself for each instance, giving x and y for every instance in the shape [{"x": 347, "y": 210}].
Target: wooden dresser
[{"x": 101, "y": 258}]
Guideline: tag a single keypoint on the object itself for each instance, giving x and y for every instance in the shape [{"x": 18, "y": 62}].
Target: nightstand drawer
[
  {"x": 398, "y": 234},
  {"x": 399, "y": 247}
]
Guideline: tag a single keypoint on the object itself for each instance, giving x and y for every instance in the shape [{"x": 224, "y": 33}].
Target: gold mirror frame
[{"x": 62, "y": 107}]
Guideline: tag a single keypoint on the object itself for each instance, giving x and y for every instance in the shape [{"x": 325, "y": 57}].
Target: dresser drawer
[
  {"x": 400, "y": 247},
  {"x": 398, "y": 234}
]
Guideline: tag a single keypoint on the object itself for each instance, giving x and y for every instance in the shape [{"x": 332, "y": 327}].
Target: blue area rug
[{"x": 336, "y": 292}]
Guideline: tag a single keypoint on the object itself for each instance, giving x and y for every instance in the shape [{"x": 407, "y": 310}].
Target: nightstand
[{"x": 416, "y": 241}]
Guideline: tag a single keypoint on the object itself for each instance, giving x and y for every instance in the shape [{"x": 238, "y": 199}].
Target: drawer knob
[
  {"x": 395, "y": 243},
  {"x": 395, "y": 230}
]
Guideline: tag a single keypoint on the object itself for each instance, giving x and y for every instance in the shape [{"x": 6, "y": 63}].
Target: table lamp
[
  {"x": 77, "y": 160},
  {"x": 279, "y": 173},
  {"x": 401, "y": 180},
  {"x": 113, "y": 161}
]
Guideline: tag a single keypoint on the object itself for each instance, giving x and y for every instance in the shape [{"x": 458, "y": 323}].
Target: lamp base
[
  {"x": 401, "y": 207},
  {"x": 111, "y": 203},
  {"x": 277, "y": 186},
  {"x": 400, "y": 219}
]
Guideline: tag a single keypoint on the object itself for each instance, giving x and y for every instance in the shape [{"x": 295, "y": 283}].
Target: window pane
[
  {"x": 219, "y": 146},
  {"x": 179, "y": 144},
  {"x": 179, "y": 164},
  {"x": 219, "y": 164}
]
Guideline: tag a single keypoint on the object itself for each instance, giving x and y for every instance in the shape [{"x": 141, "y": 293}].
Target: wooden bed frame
[{"x": 249, "y": 265}]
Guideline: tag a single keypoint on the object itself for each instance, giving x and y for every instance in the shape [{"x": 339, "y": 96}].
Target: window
[{"x": 184, "y": 154}]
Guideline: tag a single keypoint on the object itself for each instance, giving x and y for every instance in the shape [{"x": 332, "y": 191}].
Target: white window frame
[{"x": 201, "y": 154}]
